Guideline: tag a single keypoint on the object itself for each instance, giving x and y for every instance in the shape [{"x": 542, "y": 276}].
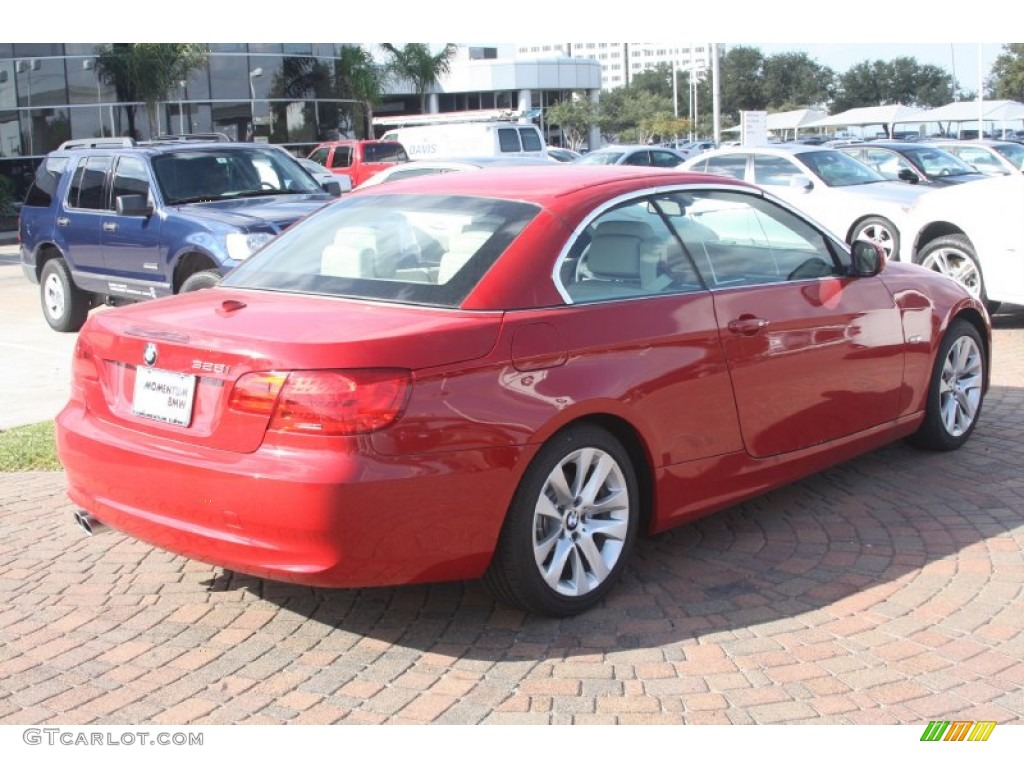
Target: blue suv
[{"x": 109, "y": 221}]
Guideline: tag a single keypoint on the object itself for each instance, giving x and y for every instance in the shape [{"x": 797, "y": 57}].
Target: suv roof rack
[
  {"x": 115, "y": 141},
  {"x": 172, "y": 137}
]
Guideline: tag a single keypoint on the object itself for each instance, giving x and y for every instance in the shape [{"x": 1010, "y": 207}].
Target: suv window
[
  {"x": 508, "y": 140},
  {"x": 48, "y": 175},
  {"x": 130, "y": 178},
  {"x": 87, "y": 184},
  {"x": 531, "y": 140}
]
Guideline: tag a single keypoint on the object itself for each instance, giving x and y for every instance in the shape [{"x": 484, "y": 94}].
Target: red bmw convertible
[{"x": 508, "y": 375}]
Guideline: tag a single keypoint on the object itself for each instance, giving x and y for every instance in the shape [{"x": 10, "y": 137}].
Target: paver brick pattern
[{"x": 885, "y": 590}]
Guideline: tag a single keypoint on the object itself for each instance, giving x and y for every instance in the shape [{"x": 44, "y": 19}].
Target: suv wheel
[
  {"x": 205, "y": 279},
  {"x": 65, "y": 305}
]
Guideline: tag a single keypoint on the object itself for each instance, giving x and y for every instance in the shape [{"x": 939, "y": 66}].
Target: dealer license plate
[{"x": 164, "y": 396}]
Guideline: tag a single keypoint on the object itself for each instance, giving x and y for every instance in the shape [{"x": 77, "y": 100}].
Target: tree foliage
[
  {"x": 1007, "y": 79},
  {"x": 415, "y": 62},
  {"x": 145, "y": 72},
  {"x": 900, "y": 81},
  {"x": 575, "y": 117}
]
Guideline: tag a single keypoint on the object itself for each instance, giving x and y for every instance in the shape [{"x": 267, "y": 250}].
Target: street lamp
[
  {"x": 253, "y": 74},
  {"x": 181, "y": 106}
]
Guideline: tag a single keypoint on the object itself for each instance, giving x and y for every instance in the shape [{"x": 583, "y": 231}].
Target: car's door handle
[
  {"x": 747, "y": 325},
  {"x": 63, "y": 221},
  {"x": 110, "y": 226}
]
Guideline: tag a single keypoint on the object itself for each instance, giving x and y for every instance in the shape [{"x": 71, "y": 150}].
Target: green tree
[
  {"x": 900, "y": 81},
  {"x": 575, "y": 117},
  {"x": 656, "y": 80},
  {"x": 415, "y": 62},
  {"x": 145, "y": 72},
  {"x": 742, "y": 82},
  {"x": 630, "y": 115},
  {"x": 795, "y": 81},
  {"x": 1007, "y": 77},
  {"x": 359, "y": 78}
]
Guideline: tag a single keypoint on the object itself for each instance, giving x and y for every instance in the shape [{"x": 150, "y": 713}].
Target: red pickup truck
[{"x": 359, "y": 159}]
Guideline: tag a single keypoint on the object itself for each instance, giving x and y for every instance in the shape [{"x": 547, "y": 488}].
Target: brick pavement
[{"x": 886, "y": 590}]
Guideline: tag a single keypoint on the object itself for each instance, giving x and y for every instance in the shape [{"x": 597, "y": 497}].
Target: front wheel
[
  {"x": 570, "y": 526},
  {"x": 65, "y": 305},
  {"x": 956, "y": 390},
  {"x": 199, "y": 280},
  {"x": 880, "y": 231},
  {"x": 954, "y": 257}
]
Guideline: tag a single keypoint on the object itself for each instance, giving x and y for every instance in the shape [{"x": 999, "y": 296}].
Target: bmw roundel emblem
[{"x": 149, "y": 354}]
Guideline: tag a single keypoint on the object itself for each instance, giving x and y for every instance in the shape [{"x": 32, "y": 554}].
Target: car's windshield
[
  {"x": 1012, "y": 152},
  {"x": 199, "y": 175},
  {"x": 837, "y": 169},
  {"x": 936, "y": 162},
  {"x": 417, "y": 249},
  {"x": 600, "y": 158}
]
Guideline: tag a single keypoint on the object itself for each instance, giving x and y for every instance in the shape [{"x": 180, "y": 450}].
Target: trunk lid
[{"x": 167, "y": 367}]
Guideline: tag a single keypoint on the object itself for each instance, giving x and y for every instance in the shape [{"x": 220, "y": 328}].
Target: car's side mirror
[
  {"x": 337, "y": 187},
  {"x": 868, "y": 258},
  {"x": 906, "y": 174},
  {"x": 133, "y": 205}
]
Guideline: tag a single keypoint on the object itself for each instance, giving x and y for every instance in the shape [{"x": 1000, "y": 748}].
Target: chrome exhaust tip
[{"x": 88, "y": 523}]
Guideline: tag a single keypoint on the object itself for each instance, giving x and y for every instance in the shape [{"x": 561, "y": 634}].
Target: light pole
[
  {"x": 258, "y": 72},
  {"x": 89, "y": 65},
  {"x": 29, "y": 66},
  {"x": 181, "y": 106}
]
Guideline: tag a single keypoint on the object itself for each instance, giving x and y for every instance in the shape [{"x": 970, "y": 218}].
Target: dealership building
[{"x": 282, "y": 93}]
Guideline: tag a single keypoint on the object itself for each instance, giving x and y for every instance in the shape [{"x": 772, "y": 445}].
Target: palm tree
[
  {"x": 145, "y": 72},
  {"x": 359, "y": 78},
  {"x": 415, "y": 62}
]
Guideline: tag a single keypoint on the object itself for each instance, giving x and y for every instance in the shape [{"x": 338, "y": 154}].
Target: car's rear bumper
[{"x": 326, "y": 517}]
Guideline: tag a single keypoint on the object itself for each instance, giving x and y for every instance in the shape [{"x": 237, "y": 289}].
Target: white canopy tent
[
  {"x": 886, "y": 115},
  {"x": 985, "y": 111}
]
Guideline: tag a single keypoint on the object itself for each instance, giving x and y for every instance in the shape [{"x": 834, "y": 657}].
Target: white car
[
  {"x": 991, "y": 157},
  {"x": 967, "y": 233},
  {"x": 427, "y": 167},
  {"x": 633, "y": 154},
  {"x": 842, "y": 194},
  {"x": 323, "y": 175}
]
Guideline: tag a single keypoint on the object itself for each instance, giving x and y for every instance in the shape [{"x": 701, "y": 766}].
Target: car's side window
[
  {"x": 979, "y": 158},
  {"x": 728, "y": 165},
  {"x": 775, "y": 171},
  {"x": 88, "y": 184},
  {"x": 889, "y": 164},
  {"x": 130, "y": 178},
  {"x": 643, "y": 157},
  {"x": 342, "y": 157},
  {"x": 743, "y": 239},
  {"x": 319, "y": 156},
  {"x": 508, "y": 140},
  {"x": 627, "y": 252},
  {"x": 663, "y": 159}
]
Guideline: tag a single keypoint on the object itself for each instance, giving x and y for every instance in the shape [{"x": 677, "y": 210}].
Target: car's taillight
[
  {"x": 337, "y": 402},
  {"x": 83, "y": 363},
  {"x": 257, "y": 393}
]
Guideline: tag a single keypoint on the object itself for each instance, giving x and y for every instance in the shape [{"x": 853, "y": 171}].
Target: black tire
[
  {"x": 65, "y": 305},
  {"x": 955, "y": 257},
  {"x": 955, "y": 391},
  {"x": 582, "y": 544},
  {"x": 199, "y": 280},
  {"x": 880, "y": 230}
]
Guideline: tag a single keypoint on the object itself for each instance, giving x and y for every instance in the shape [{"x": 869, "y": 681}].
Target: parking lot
[{"x": 885, "y": 590}]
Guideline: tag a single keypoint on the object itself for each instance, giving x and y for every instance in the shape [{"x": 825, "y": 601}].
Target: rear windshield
[
  {"x": 415, "y": 249},
  {"x": 384, "y": 152}
]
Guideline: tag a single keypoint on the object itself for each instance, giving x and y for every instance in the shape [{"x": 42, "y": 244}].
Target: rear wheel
[
  {"x": 954, "y": 256},
  {"x": 65, "y": 305},
  {"x": 955, "y": 391},
  {"x": 570, "y": 526},
  {"x": 881, "y": 231}
]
